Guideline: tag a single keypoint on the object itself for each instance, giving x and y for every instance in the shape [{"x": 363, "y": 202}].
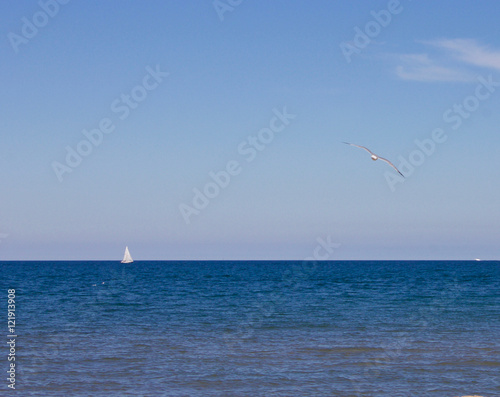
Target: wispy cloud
[
  {"x": 470, "y": 51},
  {"x": 420, "y": 67},
  {"x": 452, "y": 62}
]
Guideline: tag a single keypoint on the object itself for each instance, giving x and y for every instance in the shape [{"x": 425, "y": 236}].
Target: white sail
[{"x": 127, "y": 258}]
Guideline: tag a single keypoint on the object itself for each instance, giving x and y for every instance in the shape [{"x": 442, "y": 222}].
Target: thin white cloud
[
  {"x": 451, "y": 64},
  {"x": 470, "y": 51},
  {"x": 419, "y": 67}
]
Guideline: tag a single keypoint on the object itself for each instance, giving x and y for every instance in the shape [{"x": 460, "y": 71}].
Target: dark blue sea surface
[{"x": 200, "y": 329}]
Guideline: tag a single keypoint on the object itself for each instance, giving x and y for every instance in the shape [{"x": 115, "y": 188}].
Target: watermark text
[
  {"x": 11, "y": 338},
  {"x": 363, "y": 37},
  {"x": 121, "y": 107},
  {"x": 453, "y": 117},
  {"x": 31, "y": 26},
  {"x": 249, "y": 150}
]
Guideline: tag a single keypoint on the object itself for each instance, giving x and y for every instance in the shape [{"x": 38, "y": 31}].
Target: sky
[{"x": 214, "y": 129}]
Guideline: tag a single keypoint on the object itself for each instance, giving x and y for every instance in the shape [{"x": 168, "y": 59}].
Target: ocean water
[{"x": 254, "y": 328}]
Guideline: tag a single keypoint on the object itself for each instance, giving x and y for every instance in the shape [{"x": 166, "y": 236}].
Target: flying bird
[{"x": 375, "y": 157}]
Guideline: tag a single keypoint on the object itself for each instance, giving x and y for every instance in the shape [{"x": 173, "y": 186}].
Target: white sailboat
[{"x": 127, "y": 258}]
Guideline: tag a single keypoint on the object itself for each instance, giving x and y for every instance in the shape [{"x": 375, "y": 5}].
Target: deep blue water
[{"x": 254, "y": 328}]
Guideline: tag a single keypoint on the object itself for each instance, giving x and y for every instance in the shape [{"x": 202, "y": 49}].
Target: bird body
[{"x": 375, "y": 157}]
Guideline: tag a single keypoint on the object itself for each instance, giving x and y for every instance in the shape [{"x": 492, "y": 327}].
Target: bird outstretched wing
[
  {"x": 361, "y": 147},
  {"x": 392, "y": 165}
]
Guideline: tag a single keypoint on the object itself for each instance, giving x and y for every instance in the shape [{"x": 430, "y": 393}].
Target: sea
[{"x": 252, "y": 328}]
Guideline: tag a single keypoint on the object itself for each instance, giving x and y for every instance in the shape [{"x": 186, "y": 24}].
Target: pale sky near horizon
[{"x": 259, "y": 95}]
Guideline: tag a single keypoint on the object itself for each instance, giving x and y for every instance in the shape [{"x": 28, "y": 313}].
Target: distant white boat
[{"x": 127, "y": 258}]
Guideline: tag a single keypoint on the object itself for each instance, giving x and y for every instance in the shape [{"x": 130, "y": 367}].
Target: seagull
[{"x": 375, "y": 157}]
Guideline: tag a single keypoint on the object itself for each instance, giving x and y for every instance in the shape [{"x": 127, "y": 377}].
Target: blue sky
[{"x": 183, "y": 89}]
